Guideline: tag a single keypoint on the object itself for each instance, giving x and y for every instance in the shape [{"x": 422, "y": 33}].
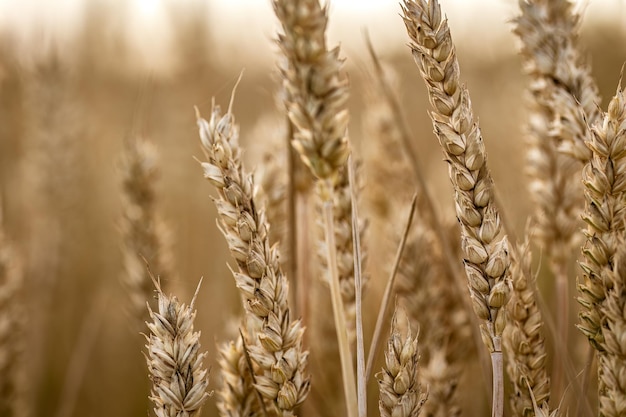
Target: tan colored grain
[
  {"x": 401, "y": 394},
  {"x": 601, "y": 292},
  {"x": 427, "y": 293},
  {"x": 236, "y": 397},
  {"x": 523, "y": 339},
  {"x": 274, "y": 338},
  {"x": 563, "y": 100},
  {"x": 179, "y": 380},
  {"x": 484, "y": 246}
]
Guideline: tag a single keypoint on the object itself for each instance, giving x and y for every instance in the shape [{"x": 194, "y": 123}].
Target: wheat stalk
[
  {"x": 485, "y": 250},
  {"x": 601, "y": 293},
  {"x": 275, "y": 340},
  {"x": 179, "y": 381}
]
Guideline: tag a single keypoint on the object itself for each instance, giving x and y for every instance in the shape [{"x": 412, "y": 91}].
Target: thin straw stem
[
  {"x": 360, "y": 351},
  {"x": 498, "y": 378},
  {"x": 382, "y": 312},
  {"x": 349, "y": 383}
]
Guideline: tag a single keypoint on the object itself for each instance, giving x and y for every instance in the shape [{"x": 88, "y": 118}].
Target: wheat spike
[
  {"x": 601, "y": 292},
  {"x": 179, "y": 381},
  {"x": 523, "y": 339},
  {"x": 401, "y": 393},
  {"x": 144, "y": 234},
  {"x": 275, "y": 340}
]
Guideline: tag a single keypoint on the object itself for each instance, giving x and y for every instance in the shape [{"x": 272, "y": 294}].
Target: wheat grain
[
  {"x": 424, "y": 286},
  {"x": 601, "y": 293},
  {"x": 236, "y": 397},
  {"x": 563, "y": 100},
  {"x": 485, "y": 249},
  {"x": 179, "y": 381},
  {"x": 549, "y": 33},
  {"x": 523, "y": 339},
  {"x": 275, "y": 340},
  {"x": 316, "y": 93},
  {"x": 401, "y": 393}
]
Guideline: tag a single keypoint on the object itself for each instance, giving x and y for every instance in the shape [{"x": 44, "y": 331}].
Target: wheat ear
[
  {"x": 236, "y": 398},
  {"x": 179, "y": 381},
  {"x": 424, "y": 285},
  {"x": 275, "y": 340},
  {"x": 523, "y": 339},
  {"x": 601, "y": 293},
  {"x": 485, "y": 249},
  {"x": 400, "y": 390},
  {"x": 316, "y": 92},
  {"x": 549, "y": 33},
  {"x": 144, "y": 234},
  {"x": 563, "y": 99}
]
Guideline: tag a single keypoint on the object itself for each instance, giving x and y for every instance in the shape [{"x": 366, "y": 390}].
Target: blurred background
[{"x": 78, "y": 77}]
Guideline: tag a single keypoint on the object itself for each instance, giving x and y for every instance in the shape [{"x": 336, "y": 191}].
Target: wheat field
[{"x": 434, "y": 227}]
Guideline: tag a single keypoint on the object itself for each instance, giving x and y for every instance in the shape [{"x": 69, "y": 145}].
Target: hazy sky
[{"x": 246, "y": 27}]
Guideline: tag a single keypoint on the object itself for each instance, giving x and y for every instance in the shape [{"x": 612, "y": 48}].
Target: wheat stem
[
  {"x": 384, "y": 305},
  {"x": 349, "y": 383},
  {"x": 358, "y": 289}
]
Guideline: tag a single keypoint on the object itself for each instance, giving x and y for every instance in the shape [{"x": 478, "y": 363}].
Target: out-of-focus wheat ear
[
  {"x": 401, "y": 393},
  {"x": 523, "y": 339},
  {"x": 561, "y": 78},
  {"x": 423, "y": 286},
  {"x": 145, "y": 238},
  {"x": 237, "y": 396},
  {"x": 316, "y": 91},
  {"x": 179, "y": 380},
  {"x": 601, "y": 292},
  {"x": 563, "y": 102},
  {"x": 316, "y": 94},
  {"x": 274, "y": 338},
  {"x": 485, "y": 248},
  {"x": 12, "y": 335}
]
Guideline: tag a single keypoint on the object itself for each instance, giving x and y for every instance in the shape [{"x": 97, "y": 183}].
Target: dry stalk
[
  {"x": 524, "y": 341},
  {"x": 316, "y": 92},
  {"x": 382, "y": 311},
  {"x": 144, "y": 234},
  {"x": 179, "y": 381},
  {"x": 485, "y": 248},
  {"x": 602, "y": 294},
  {"x": 274, "y": 339},
  {"x": 401, "y": 393}
]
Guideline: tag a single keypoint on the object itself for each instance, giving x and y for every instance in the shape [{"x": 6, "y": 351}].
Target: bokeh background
[{"x": 78, "y": 77}]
